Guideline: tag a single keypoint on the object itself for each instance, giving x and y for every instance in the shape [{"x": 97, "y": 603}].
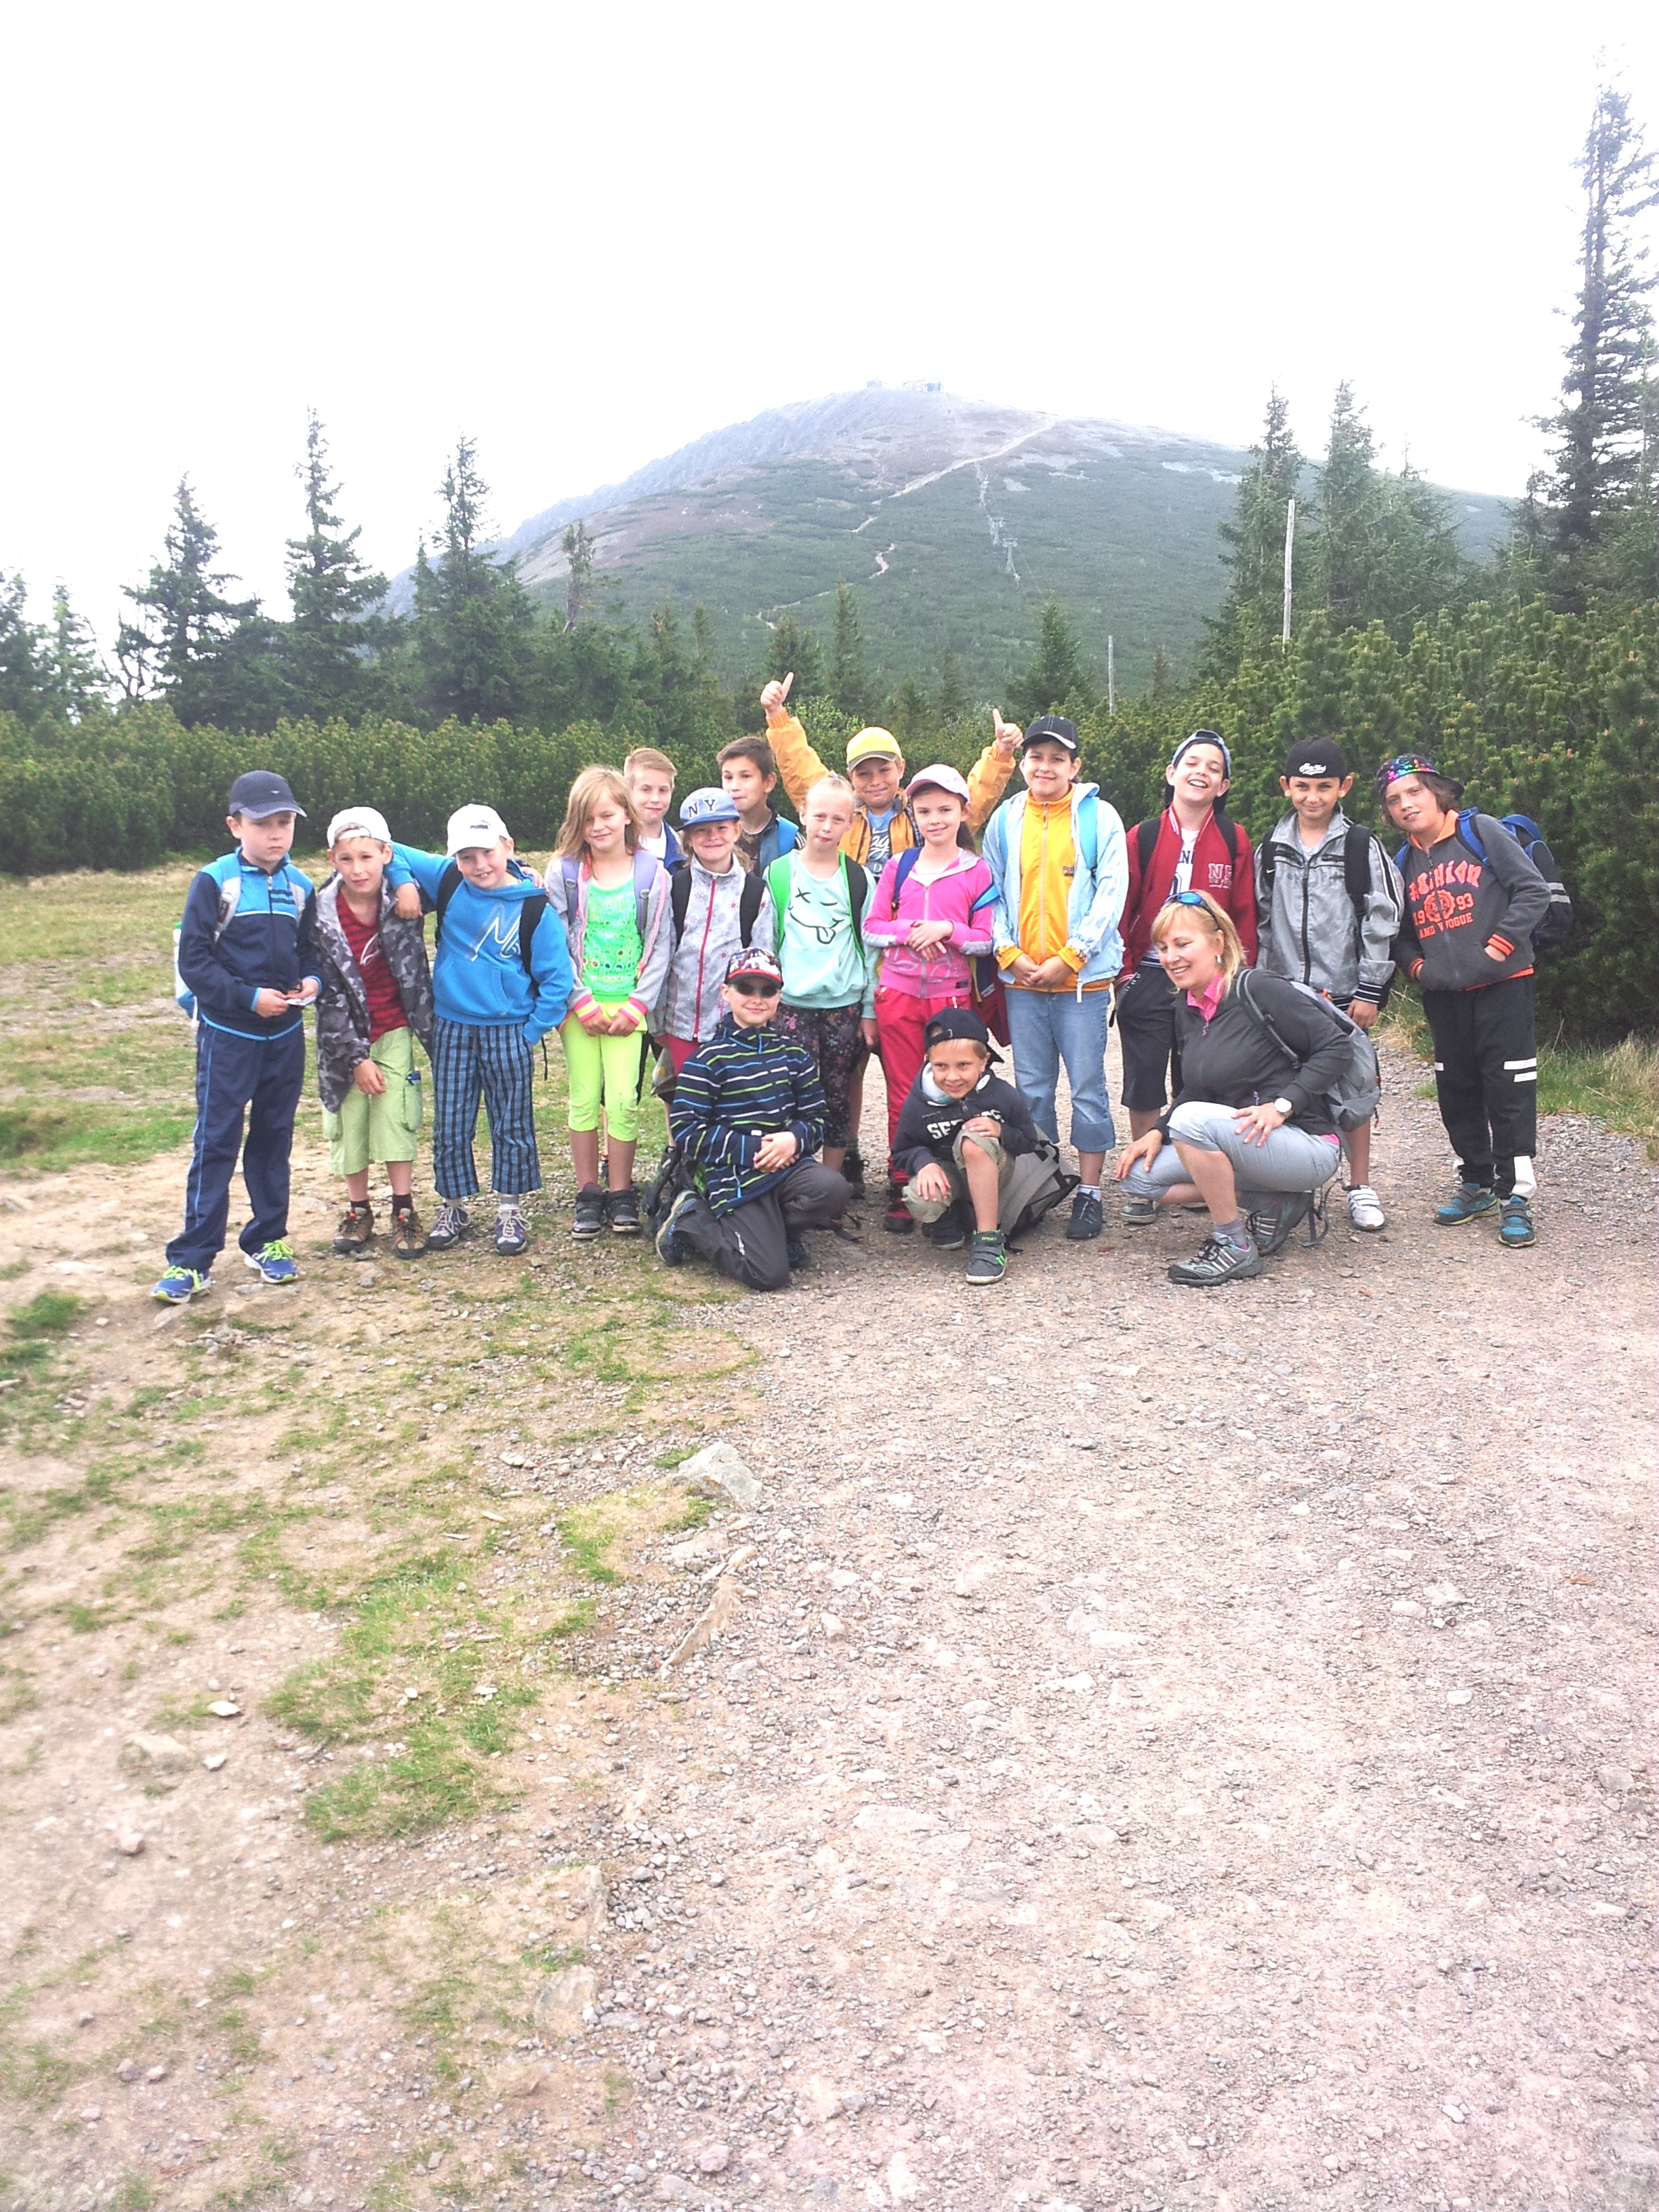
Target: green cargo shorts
[{"x": 380, "y": 1125}]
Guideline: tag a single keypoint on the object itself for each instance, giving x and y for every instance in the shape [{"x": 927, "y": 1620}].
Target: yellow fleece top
[
  {"x": 1047, "y": 856},
  {"x": 799, "y": 769}
]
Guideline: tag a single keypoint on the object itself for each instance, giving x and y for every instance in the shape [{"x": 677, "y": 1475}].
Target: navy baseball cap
[
  {"x": 1057, "y": 729},
  {"x": 959, "y": 1022},
  {"x": 259, "y": 793}
]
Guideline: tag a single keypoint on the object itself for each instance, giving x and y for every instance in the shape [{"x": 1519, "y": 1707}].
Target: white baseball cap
[
  {"x": 474, "y": 828},
  {"x": 359, "y": 822}
]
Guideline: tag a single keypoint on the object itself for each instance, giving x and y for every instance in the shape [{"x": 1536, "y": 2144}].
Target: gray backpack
[{"x": 1353, "y": 1099}]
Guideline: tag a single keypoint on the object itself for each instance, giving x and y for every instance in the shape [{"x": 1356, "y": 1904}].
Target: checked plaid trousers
[{"x": 495, "y": 1064}]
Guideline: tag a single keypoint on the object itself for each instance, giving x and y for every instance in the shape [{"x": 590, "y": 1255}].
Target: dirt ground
[{"x": 1158, "y": 1749}]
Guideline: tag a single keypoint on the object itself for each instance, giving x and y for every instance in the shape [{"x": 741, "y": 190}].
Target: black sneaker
[
  {"x": 1218, "y": 1263},
  {"x": 898, "y": 1218},
  {"x": 1139, "y": 1212},
  {"x": 796, "y": 1253},
  {"x": 949, "y": 1233},
  {"x": 672, "y": 1249},
  {"x": 852, "y": 1169},
  {"x": 1272, "y": 1223},
  {"x": 1088, "y": 1217},
  {"x": 988, "y": 1262},
  {"x": 589, "y": 1211},
  {"x": 622, "y": 1207}
]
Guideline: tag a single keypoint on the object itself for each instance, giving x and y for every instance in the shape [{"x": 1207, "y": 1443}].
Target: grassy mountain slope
[{"x": 953, "y": 520}]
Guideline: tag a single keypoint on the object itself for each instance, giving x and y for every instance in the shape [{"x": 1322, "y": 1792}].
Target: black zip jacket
[
  {"x": 928, "y": 1127},
  {"x": 1231, "y": 1060}
]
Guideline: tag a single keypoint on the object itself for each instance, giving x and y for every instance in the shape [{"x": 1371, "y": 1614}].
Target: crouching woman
[{"x": 1250, "y": 1134}]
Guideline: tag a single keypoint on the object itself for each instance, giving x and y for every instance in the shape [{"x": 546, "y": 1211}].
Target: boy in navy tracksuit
[
  {"x": 239, "y": 957},
  {"x": 501, "y": 980}
]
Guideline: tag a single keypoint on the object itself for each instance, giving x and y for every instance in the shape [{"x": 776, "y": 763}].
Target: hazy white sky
[{"x": 587, "y": 234}]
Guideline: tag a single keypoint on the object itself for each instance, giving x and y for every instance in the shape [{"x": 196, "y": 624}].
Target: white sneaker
[{"x": 1365, "y": 1208}]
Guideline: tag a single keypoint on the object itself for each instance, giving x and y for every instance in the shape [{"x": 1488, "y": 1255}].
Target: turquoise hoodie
[{"x": 478, "y": 975}]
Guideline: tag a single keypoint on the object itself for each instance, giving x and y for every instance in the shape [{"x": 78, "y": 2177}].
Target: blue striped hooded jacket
[{"x": 738, "y": 1088}]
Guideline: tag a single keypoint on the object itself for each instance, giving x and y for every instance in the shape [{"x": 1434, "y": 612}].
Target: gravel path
[{"x": 1159, "y": 1750}]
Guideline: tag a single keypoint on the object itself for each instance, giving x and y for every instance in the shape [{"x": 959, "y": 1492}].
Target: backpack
[
  {"x": 672, "y": 1177},
  {"x": 646, "y": 865},
  {"x": 983, "y": 972},
  {"x": 1557, "y": 926},
  {"x": 530, "y": 914},
  {"x": 779, "y": 881},
  {"x": 1356, "y": 880},
  {"x": 230, "y": 897},
  {"x": 1354, "y": 1097},
  {"x": 1146, "y": 837},
  {"x": 1054, "y": 1192},
  {"x": 749, "y": 899}
]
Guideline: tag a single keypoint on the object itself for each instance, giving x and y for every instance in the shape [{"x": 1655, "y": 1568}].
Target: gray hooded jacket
[
  {"x": 1307, "y": 929},
  {"x": 342, "y": 1008}
]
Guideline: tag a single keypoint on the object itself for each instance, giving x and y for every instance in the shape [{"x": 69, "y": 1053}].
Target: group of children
[{"x": 757, "y": 967}]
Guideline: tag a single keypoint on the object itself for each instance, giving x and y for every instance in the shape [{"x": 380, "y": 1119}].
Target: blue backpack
[{"x": 1557, "y": 926}]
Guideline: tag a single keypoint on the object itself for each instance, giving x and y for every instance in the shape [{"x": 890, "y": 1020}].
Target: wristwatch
[{"x": 1283, "y": 1106}]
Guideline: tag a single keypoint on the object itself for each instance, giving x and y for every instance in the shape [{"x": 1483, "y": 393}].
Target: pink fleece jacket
[{"x": 950, "y": 897}]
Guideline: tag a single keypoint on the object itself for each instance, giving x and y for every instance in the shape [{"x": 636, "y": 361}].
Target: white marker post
[
  {"x": 1290, "y": 540},
  {"x": 1111, "y": 679}
]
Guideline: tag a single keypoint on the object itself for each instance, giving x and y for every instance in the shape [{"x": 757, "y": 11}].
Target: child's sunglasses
[{"x": 755, "y": 987}]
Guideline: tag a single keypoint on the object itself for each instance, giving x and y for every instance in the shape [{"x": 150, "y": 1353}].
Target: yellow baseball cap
[{"x": 872, "y": 745}]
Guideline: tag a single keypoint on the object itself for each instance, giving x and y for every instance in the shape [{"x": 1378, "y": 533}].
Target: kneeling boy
[
  {"x": 748, "y": 1114},
  {"x": 968, "y": 1143}
]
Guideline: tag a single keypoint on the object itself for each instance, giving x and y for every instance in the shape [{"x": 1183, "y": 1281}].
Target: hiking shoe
[
  {"x": 451, "y": 1225},
  {"x": 1270, "y": 1224},
  {"x": 1088, "y": 1218},
  {"x": 177, "y": 1286},
  {"x": 589, "y": 1211},
  {"x": 1515, "y": 1225},
  {"x": 1467, "y": 1203},
  {"x": 798, "y": 1255},
  {"x": 988, "y": 1261},
  {"x": 274, "y": 1263},
  {"x": 672, "y": 1249},
  {"x": 898, "y": 1216},
  {"x": 852, "y": 1169},
  {"x": 1365, "y": 1208},
  {"x": 949, "y": 1233},
  {"x": 1139, "y": 1212},
  {"x": 356, "y": 1232},
  {"x": 623, "y": 1209},
  {"x": 1218, "y": 1263},
  {"x": 408, "y": 1237},
  {"x": 512, "y": 1231}
]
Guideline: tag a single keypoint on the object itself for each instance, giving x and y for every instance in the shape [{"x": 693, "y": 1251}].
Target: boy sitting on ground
[
  {"x": 968, "y": 1143},
  {"x": 747, "y": 1116},
  {"x": 376, "y": 999}
]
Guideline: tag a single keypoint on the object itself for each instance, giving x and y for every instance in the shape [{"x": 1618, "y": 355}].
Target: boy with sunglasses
[{"x": 748, "y": 1114}]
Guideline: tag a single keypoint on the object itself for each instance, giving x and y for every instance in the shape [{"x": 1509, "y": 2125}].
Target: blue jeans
[{"x": 1047, "y": 1027}]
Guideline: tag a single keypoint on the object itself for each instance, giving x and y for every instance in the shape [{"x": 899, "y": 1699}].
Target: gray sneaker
[
  {"x": 589, "y": 1211},
  {"x": 451, "y": 1225},
  {"x": 673, "y": 1250},
  {"x": 988, "y": 1262},
  {"x": 1218, "y": 1263},
  {"x": 1139, "y": 1212},
  {"x": 947, "y": 1234},
  {"x": 1087, "y": 1219}
]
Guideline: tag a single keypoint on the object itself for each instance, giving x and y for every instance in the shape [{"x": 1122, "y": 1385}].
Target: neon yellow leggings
[{"x": 603, "y": 1070}]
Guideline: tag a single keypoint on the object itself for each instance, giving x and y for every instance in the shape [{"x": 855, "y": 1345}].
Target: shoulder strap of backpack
[
  {"x": 448, "y": 883},
  {"x": 530, "y": 914},
  {"x": 902, "y": 867},
  {"x": 780, "y": 881},
  {"x": 1146, "y": 841},
  {"x": 1470, "y": 835},
  {"x": 749, "y": 899},
  {"x": 1229, "y": 829},
  {"x": 1357, "y": 868},
  {"x": 679, "y": 898},
  {"x": 1261, "y": 1015},
  {"x": 858, "y": 889},
  {"x": 1088, "y": 831}
]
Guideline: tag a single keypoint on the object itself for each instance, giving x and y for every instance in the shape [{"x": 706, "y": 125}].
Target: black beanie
[{"x": 1316, "y": 756}]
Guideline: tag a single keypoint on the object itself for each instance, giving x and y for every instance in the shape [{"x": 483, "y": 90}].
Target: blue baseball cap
[
  {"x": 699, "y": 808},
  {"x": 261, "y": 792}
]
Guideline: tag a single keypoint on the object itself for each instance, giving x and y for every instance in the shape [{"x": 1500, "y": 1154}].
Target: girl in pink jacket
[{"x": 923, "y": 911}]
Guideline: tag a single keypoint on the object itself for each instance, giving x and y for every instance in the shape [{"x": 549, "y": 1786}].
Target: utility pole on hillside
[
  {"x": 1290, "y": 541},
  {"x": 1111, "y": 679}
]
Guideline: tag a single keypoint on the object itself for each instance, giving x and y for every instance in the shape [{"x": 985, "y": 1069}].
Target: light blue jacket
[
  {"x": 1100, "y": 879},
  {"x": 480, "y": 976}
]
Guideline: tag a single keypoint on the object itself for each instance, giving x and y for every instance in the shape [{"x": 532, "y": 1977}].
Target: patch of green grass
[
  {"x": 587, "y": 1532},
  {"x": 1615, "y": 1085},
  {"x": 34, "y": 1328},
  {"x": 13, "y": 1269},
  {"x": 133, "y": 2193},
  {"x": 30, "y": 1518}
]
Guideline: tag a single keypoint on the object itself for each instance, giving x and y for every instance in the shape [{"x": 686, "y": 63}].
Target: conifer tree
[
  {"x": 78, "y": 679},
  {"x": 952, "y": 691},
  {"x": 22, "y": 648},
  {"x": 577, "y": 542},
  {"x": 1344, "y": 549},
  {"x": 849, "y": 683},
  {"x": 1254, "y": 547},
  {"x": 334, "y": 593},
  {"x": 179, "y": 647},
  {"x": 794, "y": 649},
  {"x": 1053, "y": 681},
  {"x": 1161, "y": 688},
  {"x": 1598, "y": 430},
  {"x": 473, "y": 625}
]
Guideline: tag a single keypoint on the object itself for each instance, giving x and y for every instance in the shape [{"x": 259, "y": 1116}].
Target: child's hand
[
  {"x": 306, "y": 993},
  {"x": 1145, "y": 1148},
  {"x": 368, "y": 1077},
  {"x": 928, "y": 936},
  {"x": 625, "y": 1021},
  {"x": 776, "y": 1150},
  {"x": 982, "y": 1124},
  {"x": 593, "y": 1018},
  {"x": 871, "y": 1035},
  {"x": 269, "y": 1004},
  {"x": 777, "y": 692},
  {"x": 930, "y": 1181},
  {"x": 1005, "y": 736},
  {"x": 1024, "y": 971},
  {"x": 1052, "y": 974},
  {"x": 407, "y": 904},
  {"x": 1362, "y": 1013}
]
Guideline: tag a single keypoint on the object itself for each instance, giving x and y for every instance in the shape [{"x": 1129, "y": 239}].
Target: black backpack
[
  {"x": 530, "y": 913},
  {"x": 749, "y": 899},
  {"x": 1146, "y": 837},
  {"x": 1355, "y": 879}
]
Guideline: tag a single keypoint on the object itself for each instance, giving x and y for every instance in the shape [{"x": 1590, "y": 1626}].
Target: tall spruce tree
[
  {"x": 334, "y": 593},
  {"x": 577, "y": 542},
  {"x": 1598, "y": 430},
  {"x": 473, "y": 625},
  {"x": 1344, "y": 549},
  {"x": 78, "y": 678},
  {"x": 1254, "y": 547},
  {"x": 1055, "y": 680},
  {"x": 188, "y": 643},
  {"x": 849, "y": 681},
  {"x": 22, "y": 654},
  {"x": 952, "y": 691},
  {"x": 792, "y": 648}
]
